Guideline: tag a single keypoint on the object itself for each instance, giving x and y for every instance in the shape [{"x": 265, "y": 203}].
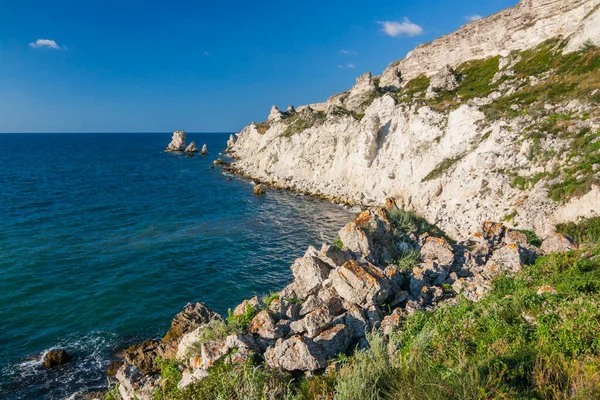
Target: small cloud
[
  {"x": 348, "y": 52},
  {"x": 404, "y": 28},
  {"x": 347, "y": 66},
  {"x": 472, "y": 18},
  {"x": 51, "y": 44},
  {"x": 206, "y": 53}
]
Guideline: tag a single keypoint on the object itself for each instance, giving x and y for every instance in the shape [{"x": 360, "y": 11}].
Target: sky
[{"x": 160, "y": 66}]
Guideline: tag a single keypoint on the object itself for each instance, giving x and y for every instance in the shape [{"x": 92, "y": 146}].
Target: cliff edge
[{"x": 496, "y": 121}]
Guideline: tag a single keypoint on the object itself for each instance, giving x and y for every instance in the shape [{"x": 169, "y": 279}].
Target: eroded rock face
[
  {"x": 265, "y": 326},
  {"x": 177, "y": 142},
  {"x": 296, "y": 354},
  {"x": 193, "y": 316},
  {"x": 145, "y": 355},
  {"x": 335, "y": 340}
]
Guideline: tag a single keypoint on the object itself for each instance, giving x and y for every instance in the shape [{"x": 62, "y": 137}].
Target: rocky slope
[
  {"x": 497, "y": 121},
  {"x": 385, "y": 268}
]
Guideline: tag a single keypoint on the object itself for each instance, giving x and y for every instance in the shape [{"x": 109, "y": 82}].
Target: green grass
[
  {"x": 338, "y": 243},
  {"x": 442, "y": 167},
  {"x": 242, "y": 321},
  {"x": 302, "y": 121},
  {"x": 408, "y": 261},
  {"x": 587, "y": 230},
  {"x": 418, "y": 85},
  {"x": 170, "y": 376},
  {"x": 532, "y": 238},
  {"x": 269, "y": 299},
  {"x": 475, "y": 77}
]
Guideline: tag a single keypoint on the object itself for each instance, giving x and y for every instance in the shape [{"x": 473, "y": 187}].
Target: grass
[
  {"x": 269, "y": 299},
  {"x": 170, "y": 376},
  {"x": 587, "y": 230},
  {"x": 532, "y": 238},
  {"x": 302, "y": 121},
  {"x": 408, "y": 261},
  {"x": 338, "y": 243},
  {"x": 442, "y": 167},
  {"x": 241, "y": 322}
]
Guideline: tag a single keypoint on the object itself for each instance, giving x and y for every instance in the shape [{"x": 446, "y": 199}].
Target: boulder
[
  {"x": 392, "y": 323},
  {"x": 134, "y": 385},
  {"x": 317, "y": 321},
  {"x": 192, "y": 148},
  {"x": 361, "y": 283},
  {"x": 204, "y": 151},
  {"x": 507, "y": 259},
  {"x": 193, "y": 316},
  {"x": 335, "y": 340},
  {"x": 558, "y": 243},
  {"x": 56, "y": 358},
  {"x": 309, "y": 273},
  {"x": 211, "y": 352},
  {"x": 360, "y": 93},
  {"x": 296, "y": 354},
  {"x": 260, "y": 189},
  {"x": 438, "y": 250},
  {"x": 177, "y": 141},
  {"x": 145, "y": 355},
  {"x": 219, "y": 161},
  {"x": 357, "y": 321},
  {"x": 265, "y": 326}
]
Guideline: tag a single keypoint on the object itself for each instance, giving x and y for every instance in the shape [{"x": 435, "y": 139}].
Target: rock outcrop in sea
[
  {"x": 191, "y": 148},
  {"x": 177, "y": 142},
  {"x": 497, "y": 121}
]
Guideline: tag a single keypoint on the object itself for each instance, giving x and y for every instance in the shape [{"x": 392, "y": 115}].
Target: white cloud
[
  {"x": 472, "y": 18},
  {"x": 347, "y": 66},
  {"x": 348, "y": 52},
  {"x": 404, "y": 28},
  {"x": 51, "y": 44}
]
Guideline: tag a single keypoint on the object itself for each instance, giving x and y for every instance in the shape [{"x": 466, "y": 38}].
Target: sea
[{"x": 105, "y": 237}]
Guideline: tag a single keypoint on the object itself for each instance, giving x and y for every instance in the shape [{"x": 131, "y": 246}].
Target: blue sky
[{"x": 150, "y": 66}]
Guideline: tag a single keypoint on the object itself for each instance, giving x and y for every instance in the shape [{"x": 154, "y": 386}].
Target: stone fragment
[
  {"x": 317, "y": 321},
  {"x": 361, "y": 283},
  {"x": 558, "y": 243},
  {"x": 296, "y": 354},
  {"x": 265, "y": 326},
  {"x": 546, "y": 290},
  {"x": 439, "y": 250},
  {"x": 335, "y": 341},
  {"x": 191, "y": 376},
  {"x": 260, "y": 189},
  {"x": 146, "y": 354},
  {"x": 309, "y": 273}
]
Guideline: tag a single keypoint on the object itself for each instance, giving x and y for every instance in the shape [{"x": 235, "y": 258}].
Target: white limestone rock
[
  {"x": 177, "y": 142},
  {"x": 192, "y": 148}
]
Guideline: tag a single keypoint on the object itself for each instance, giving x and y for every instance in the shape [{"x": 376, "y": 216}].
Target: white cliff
[{"x": 456, "y": 159}]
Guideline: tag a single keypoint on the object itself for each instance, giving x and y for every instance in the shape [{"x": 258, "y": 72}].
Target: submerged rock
[
  {"x": 260, "y": 189},
  {"x": 177, "y": 142},
  {"x": 56, "y": 358}
]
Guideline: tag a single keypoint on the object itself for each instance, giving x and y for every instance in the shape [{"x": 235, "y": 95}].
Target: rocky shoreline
[{"x": 387, "y": 265}]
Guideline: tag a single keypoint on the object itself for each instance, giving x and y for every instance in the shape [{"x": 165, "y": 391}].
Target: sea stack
[
  {"x": 177, "y": 142},
  {"x": 204, "y": 150},
  {"x": 192, "y": 148}
]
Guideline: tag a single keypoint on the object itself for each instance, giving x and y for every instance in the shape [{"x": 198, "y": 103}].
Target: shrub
[
  {"x": 268, "y": 300},
  {"x": 241, "y": 322},
  {"x": 171, "y": 375},
  {"x": 587, "y": 230}
]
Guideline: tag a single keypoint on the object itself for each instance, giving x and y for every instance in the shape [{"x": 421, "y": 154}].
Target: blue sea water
[{"x": 105, "y": 237}]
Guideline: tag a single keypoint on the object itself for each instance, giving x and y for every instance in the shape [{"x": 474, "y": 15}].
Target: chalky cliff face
[{"x": 497, "y": 121}]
